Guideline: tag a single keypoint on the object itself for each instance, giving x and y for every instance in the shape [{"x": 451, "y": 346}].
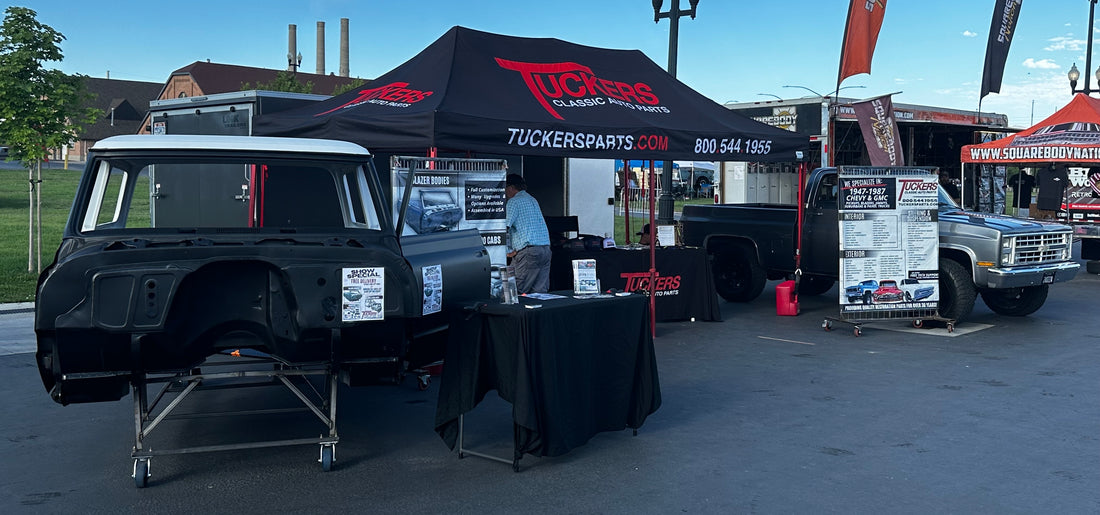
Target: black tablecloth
[
  {"x": 571, "y": 368},
  {"x": 685, "y": 285}
]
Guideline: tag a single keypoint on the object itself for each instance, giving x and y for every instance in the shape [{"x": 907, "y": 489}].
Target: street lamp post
[
  {"x": 823, "y": 96},
  {"x": 1074, "y": 74},
  {"x": 293, "y": 62},
  {"x": 828, "y": 113},
  {"x": 665, "y": 203}
]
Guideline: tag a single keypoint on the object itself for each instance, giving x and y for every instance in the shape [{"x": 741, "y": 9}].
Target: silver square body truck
[{"x": 1010, "y": 263}]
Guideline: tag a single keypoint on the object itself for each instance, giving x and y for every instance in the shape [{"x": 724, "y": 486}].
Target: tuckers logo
[
  {"x": 552, "y": 84},
  {"x": 917, "y": 185},
  {"x": 663, "y": 286},
  {"x": 394, "y": 94}
]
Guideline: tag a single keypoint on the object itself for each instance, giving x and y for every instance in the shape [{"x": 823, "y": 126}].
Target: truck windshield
[
  {"x": 946, "y": 202},
  {"x": 130, "y": 194}
]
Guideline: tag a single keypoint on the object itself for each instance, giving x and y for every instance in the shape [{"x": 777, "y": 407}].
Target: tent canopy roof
[
  {"x": 490, "y": 93},
  {"x": 1070, "y": 135}
]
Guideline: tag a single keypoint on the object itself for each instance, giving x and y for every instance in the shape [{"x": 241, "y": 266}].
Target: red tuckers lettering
[
  {"x": 554, "y": 80},
  {"x": 393, "y": 92}
]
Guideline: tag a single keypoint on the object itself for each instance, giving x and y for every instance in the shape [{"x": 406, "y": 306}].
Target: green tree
[
  {"x": 40, "y": 108},
  {"x": 348, "y": 87},
  {"x": 283, "y": 81}
]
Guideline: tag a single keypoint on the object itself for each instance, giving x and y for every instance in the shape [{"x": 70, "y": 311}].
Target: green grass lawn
[
  {"x": 637, "y": 221},
  {"x": 57, "y": 190}
]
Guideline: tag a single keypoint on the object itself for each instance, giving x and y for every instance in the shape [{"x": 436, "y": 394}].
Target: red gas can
[{"x": 786, "y": 304}]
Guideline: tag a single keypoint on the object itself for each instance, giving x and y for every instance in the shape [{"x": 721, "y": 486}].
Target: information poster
[
  {"x": 450, "y": 194},
  {"x": 364, "y": 294},
  {"x": 1082, "y": 195},
  {"x": 889, "y": 241},
  {"x": 433, "y": 289}
]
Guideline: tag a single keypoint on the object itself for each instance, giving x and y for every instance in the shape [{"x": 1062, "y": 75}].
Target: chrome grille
[{"x": 1032, "y": 249}]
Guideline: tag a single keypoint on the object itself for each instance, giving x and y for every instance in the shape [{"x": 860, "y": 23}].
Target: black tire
[
  {"x": 866, "y": 297},
  {"x": 141, "y": 473},
  {"x": 957, "y": 291},
  {"x": 1016, "y": 302},
  {"x": 814, "y": 284},
  {"x": 908, "y": 297},
  {"x": 738, "y": 276},
  {"x": 327, "y": 457},
  {"x": 700, "y": 185}
]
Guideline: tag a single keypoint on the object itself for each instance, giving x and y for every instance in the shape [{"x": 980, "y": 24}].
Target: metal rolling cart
[
  {"x": 237, "y": 370},
  {"x": 916, "y": 316}
]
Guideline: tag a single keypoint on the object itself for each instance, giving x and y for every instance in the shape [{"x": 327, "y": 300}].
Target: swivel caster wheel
[
  {"x": 423, "y": 382},
  {"x": 857, "y": 331},
  {"x": 827, "y": 325},
  {"x": 918, "y": 324},
  {"x": 950, "y": 327},
  {"x": 328, "y": 456},
  {"x": 141, "y": 472}
]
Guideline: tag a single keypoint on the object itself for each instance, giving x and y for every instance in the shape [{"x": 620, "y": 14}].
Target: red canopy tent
[{"x": 1069, "y": 136}]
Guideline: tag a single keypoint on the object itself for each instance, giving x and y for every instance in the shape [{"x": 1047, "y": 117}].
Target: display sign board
[
  {"x": 889, "y": 242},
  {"x": 450, "y": 194}
]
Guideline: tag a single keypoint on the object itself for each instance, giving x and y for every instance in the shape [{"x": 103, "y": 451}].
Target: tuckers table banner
[{"x": 482, "y": 92}]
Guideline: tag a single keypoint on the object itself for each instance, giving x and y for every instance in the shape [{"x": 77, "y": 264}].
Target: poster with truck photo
[{"x": 889, "y": 241}]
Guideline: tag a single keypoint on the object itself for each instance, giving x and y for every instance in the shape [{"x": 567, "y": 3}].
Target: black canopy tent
[{"x": 480, "y": 92}]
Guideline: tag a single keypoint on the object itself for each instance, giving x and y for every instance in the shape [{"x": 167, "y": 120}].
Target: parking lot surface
[{"x": 760, "y": 414}]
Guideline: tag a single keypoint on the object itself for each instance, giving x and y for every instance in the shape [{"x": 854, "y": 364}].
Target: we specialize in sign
[{"x": 570, "y": 85}]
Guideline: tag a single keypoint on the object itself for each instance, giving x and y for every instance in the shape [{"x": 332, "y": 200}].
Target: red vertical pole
[
  {"x": 652, "y": 252},
  {"x": 627, "y": 192}
]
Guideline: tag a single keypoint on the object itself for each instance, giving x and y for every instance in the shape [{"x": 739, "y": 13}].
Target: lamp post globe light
[
  {"x": 1075, "y": 74},
  {"x": 293, "y": 62},
  {"x": 665, "y": 202}
]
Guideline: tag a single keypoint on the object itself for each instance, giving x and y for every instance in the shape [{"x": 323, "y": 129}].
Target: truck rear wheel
[
  {"x": 814, "y": 284},
  {"x": 1016, "y": 302},
  {"x": 957, "y": 291},
  {"x": 738, "y": 277}
]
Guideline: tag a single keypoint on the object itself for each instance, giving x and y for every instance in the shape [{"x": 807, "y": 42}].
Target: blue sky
[{"x": 734, "y": 50}]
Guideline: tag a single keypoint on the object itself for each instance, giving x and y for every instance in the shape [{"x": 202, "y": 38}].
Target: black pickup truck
[
  {"x": 181, "y": 247},
  {"x": 1009, "y": 262}
]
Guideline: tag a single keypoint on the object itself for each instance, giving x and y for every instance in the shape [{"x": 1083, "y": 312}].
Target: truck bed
[{"x": 769, "y": 228}]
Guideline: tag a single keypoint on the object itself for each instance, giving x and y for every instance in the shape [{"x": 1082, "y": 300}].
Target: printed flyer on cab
[{"x": 889, "y": 241}]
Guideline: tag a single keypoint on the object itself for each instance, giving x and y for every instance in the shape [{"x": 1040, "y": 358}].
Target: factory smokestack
[
  {"x": 344, "y": 72},
  {"x": 292, "y": 47},
  {"x": 320, "y": 48}
]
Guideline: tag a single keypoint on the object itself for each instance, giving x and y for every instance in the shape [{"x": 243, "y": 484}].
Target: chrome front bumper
[{"x": 1018, "y": 277}]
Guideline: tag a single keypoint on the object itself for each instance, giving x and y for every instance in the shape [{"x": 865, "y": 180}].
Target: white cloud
[
  {"x": 1042, "y": 64},
  {"x": 969, "y": 34},
  {"x": 1065, "y": 43}
]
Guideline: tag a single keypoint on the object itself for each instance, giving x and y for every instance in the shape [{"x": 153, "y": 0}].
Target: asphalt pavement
[{"x": 760, "y": 414}]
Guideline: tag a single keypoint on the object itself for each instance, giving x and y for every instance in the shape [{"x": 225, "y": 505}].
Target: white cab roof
[{"x": 246, "y": 143}]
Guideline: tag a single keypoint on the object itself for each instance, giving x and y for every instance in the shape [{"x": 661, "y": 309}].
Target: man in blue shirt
[{"x": 528, "y": 239}]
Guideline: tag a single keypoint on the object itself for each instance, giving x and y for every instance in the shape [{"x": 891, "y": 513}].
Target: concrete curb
[{"x": 16, "y": 307}]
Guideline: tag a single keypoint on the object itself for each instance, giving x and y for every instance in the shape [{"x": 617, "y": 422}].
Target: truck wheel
[
  {"x": 866, "y": 297},
  {"x": 1016, "y": 302},
  {"x": 814, "y": 284},
  {"x": 957, "y": 291},
  {"x": 738, "y": 277}
]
